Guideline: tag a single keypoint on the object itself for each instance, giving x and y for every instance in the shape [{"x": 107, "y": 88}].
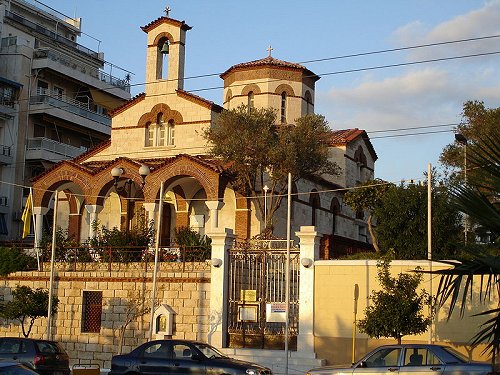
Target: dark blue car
[{"x": 181, "y": 357}]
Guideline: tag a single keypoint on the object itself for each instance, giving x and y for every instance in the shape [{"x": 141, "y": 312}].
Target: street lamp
[
  {"x": 460, "y": 138},
  {"x": 266, "y": 189}
]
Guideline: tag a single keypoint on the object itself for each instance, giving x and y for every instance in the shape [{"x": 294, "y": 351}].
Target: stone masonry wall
[{"x": 188, "y": 293}]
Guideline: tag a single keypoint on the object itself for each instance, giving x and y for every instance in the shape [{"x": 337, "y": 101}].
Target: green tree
[
  {"x": 480, "y": 200},
  {"x": 28, "y": 305},
  {"x": 366, "y": 197},
  {"x": 478, "y": 122},
  {"x": 257, "y": 152},
  {"x": 402, "y": 222},
  {"x": 14, "y": 259},
  {"x": 396, "y": 310}
]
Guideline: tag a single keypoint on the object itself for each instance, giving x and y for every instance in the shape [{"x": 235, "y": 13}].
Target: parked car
[
  {"x": 14, "y": 368},
  {"x": 410, "y": 359},
  {"x": 181, "y": 357},
  {"x": 45, "y": 357}
]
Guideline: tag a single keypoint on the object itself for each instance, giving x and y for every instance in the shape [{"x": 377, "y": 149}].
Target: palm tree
[{"x": 480, "y": 201}]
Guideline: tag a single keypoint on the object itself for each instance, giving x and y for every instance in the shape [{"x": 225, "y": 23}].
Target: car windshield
[
  {"x": 459, "y": 356},
  {"x": 209, "y": 351}
]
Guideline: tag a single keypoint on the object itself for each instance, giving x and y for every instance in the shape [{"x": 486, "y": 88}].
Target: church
[{"x": 157, "y": 139}]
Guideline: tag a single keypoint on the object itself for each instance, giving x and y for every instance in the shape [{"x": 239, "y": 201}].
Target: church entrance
[{"x": 257, "y": 285}]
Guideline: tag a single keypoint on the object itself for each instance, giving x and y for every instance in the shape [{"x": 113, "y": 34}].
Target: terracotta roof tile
[
  {"x": 343, "y": 137},
  {"x": 150, "y": 26},
  {"x": 127, "y": 104},
  {"x": 269, "y": 61}
]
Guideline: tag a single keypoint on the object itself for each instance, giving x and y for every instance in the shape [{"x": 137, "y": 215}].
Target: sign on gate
[{"x": 276, "y": 312}]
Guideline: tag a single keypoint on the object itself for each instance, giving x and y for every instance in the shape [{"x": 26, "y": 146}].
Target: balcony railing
[
  {"x": 51, "y": 34},
  {"x": 45, "y": 144},
  {"x": 44, "y": 53},
  {"x": 5, "y": 150},
  {"x": 71, "y": 105}
]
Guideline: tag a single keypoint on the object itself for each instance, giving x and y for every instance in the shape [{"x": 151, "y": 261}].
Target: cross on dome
[
  {"x": 269, "y": 49},
  {"x": 167, "y": 10}
]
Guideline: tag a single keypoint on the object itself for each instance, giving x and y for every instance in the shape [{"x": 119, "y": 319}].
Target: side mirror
[{"x": 362, "y": 364}]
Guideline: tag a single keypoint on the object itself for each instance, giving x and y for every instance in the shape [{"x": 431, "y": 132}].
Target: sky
[{"x": 389, "y": 94}]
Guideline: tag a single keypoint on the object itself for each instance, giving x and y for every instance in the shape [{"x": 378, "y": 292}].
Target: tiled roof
[
  {"x": 199, "y": 99},
  {"x": 127, "y": 104},
  {"x": 150, "y": 26},
  {"x": 269, "y": 61},
  {"x": 343, "y": 137}
]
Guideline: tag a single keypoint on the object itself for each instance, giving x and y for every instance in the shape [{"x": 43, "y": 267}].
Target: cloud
[{"x": 477, "y": 23}]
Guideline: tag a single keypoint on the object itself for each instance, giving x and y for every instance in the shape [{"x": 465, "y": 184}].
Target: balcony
[
  {"x": 93, "y": 76},
  {"x": 70, "y": 110},
  {"x": 5, "y": 155},
  {"x": 49, "y": 150},
  {"x": 51, "y": 34}
]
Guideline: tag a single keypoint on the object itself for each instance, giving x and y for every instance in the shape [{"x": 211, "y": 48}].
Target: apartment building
[{"x": 55, "y": 95}]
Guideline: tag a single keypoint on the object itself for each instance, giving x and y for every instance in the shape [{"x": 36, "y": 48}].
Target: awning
[{"x": 105, "y": 100}]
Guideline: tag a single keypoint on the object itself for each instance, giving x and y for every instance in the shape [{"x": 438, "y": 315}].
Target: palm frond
[{"x": 489, "y": 333}]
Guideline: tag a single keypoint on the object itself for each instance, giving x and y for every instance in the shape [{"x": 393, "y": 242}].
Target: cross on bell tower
[{"x": 167, "y": 11}]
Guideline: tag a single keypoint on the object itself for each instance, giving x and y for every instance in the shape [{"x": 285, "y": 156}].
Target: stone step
[{"x": 298, "y": 363}]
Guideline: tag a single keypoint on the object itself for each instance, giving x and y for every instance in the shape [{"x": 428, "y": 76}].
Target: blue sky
[{"x": 227, "y": 32}]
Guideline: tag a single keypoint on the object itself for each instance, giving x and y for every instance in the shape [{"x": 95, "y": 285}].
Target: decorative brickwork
[
  {"x": 152, "y": 115},
  {"x": 284, "y": 88}
]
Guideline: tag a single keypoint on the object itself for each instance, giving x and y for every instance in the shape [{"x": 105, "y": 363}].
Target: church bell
[{"x": 165, "y": 48}]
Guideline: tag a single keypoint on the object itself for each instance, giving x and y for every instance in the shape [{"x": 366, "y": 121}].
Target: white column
[
  {"x": 221, "y": 243},
  {"x": 39, "y": 214},
  {"x": 93, "y": 210},
  {"x": 309, "y": 252},
  {"x": 214, "y": 207}
]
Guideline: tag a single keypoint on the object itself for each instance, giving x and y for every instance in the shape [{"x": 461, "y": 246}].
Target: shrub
[
  {"x": 14, "y": 259},
  {"x": 194, "y": 246}
]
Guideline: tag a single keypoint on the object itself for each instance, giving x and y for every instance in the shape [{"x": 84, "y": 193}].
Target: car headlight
[{"x": 252, "y": 371}]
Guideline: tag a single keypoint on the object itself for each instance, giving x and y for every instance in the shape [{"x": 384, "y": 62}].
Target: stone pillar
[
  {"x": 221, "y": 243},
  {"x": 309, "y": 252},
  {"x": 214, "y": 207},
  {"x": 151, "y": 210},
  {"x": 93, "y": 210}
]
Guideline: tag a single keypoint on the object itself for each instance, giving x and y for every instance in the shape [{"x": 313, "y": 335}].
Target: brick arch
[
  {"x": 168, "y": 114},
  {"x": 252, "y": 87},
  {"x": 162, "y": 36},
  {"x": 103, "y": 182},
  {"x": 44, "y": 187},
  {"x": 183, "y": 166},
  {"x": 284, "y": 88}
]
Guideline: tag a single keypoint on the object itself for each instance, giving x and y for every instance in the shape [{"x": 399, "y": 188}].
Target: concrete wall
[
  {"x": 334, "y": 305},
  {"x": 188, "y": 293}
]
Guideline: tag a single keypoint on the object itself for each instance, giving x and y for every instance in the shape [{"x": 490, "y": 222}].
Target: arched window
[
  {"x": 250, "y": 103},
  {"x": 149, "y": 136},
  {"x": 308, "y": 103},
  {"x": 315, "y": 205},
  {"x": 283, "y": 107},
  {"x": 229, "y": 96},
  {"x": 162, "y": 58},
  {"x": 335, "y": 210},
  {"x": 171, "y": 132},
  {"x": 160, "y": 130}
]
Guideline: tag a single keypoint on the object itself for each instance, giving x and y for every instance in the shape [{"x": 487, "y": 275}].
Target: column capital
[
  {"x": 40, "y": 210},
  {"x": 214, "y": 205}
]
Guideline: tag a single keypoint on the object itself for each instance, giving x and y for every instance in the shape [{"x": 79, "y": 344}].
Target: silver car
[{"x": 410, "y": 359}]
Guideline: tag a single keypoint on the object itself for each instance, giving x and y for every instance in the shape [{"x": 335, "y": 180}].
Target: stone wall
[{"x": 187, "y": 292}]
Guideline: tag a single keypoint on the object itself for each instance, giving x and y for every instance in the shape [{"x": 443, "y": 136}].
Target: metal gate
[{"x": 257, "y": 285}]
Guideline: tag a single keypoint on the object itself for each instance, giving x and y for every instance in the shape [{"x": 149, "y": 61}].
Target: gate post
[
  {"x": 309, "y": 252},
  {"x": 222, "y": 241}
]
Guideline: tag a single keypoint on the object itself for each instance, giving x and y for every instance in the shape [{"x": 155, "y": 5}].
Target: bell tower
[{"x": 165, "y": 54}]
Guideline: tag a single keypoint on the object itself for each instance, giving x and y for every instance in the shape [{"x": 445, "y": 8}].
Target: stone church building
[
  {"x": 159, "y": 133},
  {"x": 157, "y": 145}
]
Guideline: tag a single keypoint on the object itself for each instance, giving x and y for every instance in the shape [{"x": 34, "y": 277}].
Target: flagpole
[
  {"x": 287, "y": 268},
  {"x": 35, "y": 244},
  {"x": 155, "y": 271},
  {"x": 52, "y": 260}
]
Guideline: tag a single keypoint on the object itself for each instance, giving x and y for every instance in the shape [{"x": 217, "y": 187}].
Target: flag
[{"x": 26, "y": 218}]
